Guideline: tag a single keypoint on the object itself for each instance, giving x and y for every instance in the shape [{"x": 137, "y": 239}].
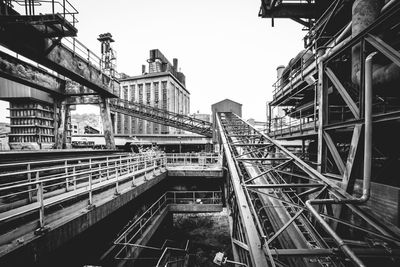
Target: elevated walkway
[
  {"x": 45, "y": 203},
  {"x": 207, "y": 165},
  {"x": 297, "y": 131}
]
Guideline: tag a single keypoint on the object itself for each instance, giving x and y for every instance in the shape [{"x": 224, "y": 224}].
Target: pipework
[{"x": 366, "y": 171}]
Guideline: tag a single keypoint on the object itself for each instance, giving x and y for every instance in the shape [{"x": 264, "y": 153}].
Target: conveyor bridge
[
  {"x": 281, "y": 215},
  {"x": 161, "y": 116}
]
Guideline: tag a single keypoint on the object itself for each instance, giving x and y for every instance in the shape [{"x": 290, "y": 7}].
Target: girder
[
  {"x": 161, "y": 116},
  {"x": 47, "y": 40},
  {"x": 276, "y": 192}
]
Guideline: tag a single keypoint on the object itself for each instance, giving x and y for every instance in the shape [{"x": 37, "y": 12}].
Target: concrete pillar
[
  {"x": 63, "y": 126},
  {"x": 56, "y": 122},
  {"x": 107, "y": 126}
]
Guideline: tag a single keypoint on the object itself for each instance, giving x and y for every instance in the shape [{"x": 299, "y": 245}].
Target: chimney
[
  {"x": 279, "y": 72},
  {"x": 175, "y": 60},
  {"x": 143, "y": 69}
]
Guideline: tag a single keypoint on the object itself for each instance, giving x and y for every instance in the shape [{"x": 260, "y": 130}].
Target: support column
[
  {"x": 107, "y": 124},
  {"x": 55, "y": 118},
  {"x": 61, "y": 138},
  {"x": 322, "y": 108}
]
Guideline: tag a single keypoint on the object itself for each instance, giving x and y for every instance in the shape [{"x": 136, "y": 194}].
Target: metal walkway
[
  {"x": 271, "y": 196},
  {"x": 161, "y": 116}
]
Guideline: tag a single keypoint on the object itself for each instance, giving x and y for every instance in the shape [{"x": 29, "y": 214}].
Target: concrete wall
[{"x": 33, "y": 251}]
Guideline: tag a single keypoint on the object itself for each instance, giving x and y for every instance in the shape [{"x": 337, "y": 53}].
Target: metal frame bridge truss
[
  {"x": 161, "y": 116},
  {"x": 278, "y": 216}
]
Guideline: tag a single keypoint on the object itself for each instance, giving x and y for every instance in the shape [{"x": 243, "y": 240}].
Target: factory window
[
  {"x": 156, "y": 93},
  {"x": 141, "y": 93},
  {"x": 133, "y": 91},
  {"x": 126, "y": 92},
  {"x": 164, "y": 95},
  {"x": 148, "y": 93}
]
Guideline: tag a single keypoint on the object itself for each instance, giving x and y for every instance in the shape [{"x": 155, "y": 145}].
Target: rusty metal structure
[
  {"x": 337, "y": 98},
  {"x": 286, "y": 213},
  {"x": 68, "y": 73},
  {"x": 162, "y": 116},
  {"x": 332, "y": 199}
]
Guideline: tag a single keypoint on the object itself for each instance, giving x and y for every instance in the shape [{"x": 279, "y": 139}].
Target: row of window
[
  {"x": 137, "y": 126},
  {"x": 138, "y": 96}
]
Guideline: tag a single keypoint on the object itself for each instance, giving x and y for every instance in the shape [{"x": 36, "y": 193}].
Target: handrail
[
  {"x": 78, "y": 177},
  {"x": 161, "y": 116},
  {"x": 184, "y": 159},
  {"x": 133, "y": 231},
  {"x": 64, "y": 8},
  {"x": 164, "y": 254},
  {"x": 293, "y": 70},
  {"x": 65, "y": 167},
  {"x": 287, "y": 124},
  {"x": 79, "y": 181}
]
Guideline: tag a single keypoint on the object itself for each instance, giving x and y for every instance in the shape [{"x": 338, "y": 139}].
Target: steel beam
[
  {"x": 291, "y": 10},
  {"x": 22, "y": 72},
  {"x": 28, "y": 41},
  {"x": 335, "y": 154},
  {"x": 384, "y": 48},
  {"x": 344, "y": 94},
  {"x": 351, "y": 156},
  {"x": 265, "y": 186},
  {"x": 161, "y": 116},
  {"x": 262, "y": 159},
  {"x": 253, "y": 241}
]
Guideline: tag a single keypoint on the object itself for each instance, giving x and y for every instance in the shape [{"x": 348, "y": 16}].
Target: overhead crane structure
[
  {"x": 271, "y": 192},
  {"x": 44, "y": 31}
]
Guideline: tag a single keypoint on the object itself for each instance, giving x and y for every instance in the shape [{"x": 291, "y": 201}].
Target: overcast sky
[{"x": 224, "y": 48}]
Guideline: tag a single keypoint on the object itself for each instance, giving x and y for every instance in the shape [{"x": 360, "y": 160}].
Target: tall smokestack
[
  {"x": 175, "y": 60},
  {"x": 143, "y": 69}
]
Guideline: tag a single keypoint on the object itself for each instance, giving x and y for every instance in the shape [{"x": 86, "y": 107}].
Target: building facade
[{"x": 162, "y": 87}]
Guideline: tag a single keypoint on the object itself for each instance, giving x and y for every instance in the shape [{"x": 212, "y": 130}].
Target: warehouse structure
[{"x": 163, "y": 87}]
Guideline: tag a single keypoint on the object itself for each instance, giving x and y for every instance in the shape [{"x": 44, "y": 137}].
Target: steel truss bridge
[
  {"x": 284, "y": 212},
  {"x": 161, "y": 116}
]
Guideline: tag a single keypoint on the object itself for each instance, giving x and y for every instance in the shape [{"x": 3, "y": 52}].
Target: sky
[{"x": 223, "y": 47}]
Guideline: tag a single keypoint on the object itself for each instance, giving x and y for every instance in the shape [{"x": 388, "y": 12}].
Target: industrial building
[
  {"x": 317, "y": 186},
  {"x": 162, "y": 87}
]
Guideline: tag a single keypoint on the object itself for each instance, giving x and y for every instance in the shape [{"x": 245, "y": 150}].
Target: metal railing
[
  {"x": 36, "y": 188},
  {"x": 190, "y": 159},
  {"x": 295, "y": 69},
  {"x": 79, "y": 49},
  {"x": 174, "y": 257},
  {"x": 34, "y": 7},
  {"x": 32, "y": 186},
  {"x": 161, "y": 116},
  {"x": 127, "y": 240},
  {"x": 294, "y": 122}
]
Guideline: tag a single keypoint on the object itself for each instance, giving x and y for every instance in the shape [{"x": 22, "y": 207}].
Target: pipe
[
  {"x": 340, "y": 40},
  {"x": 367, "y": 170}
]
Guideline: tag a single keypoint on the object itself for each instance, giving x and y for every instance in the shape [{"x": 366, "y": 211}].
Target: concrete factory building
[{"x": 163, "y": 87}]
